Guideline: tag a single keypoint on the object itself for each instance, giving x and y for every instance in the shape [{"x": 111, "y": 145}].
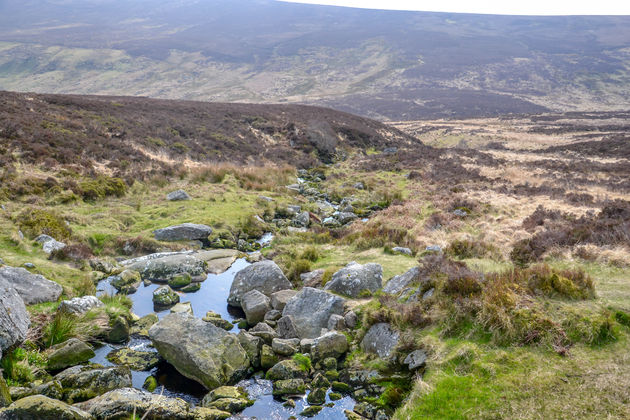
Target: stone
[
  {"x": 351, "y": 415},
  {"x": 355, "y": 278},
  {"x": 381, "y": 339},
  {"x": 80, "y": 305},
  {"x": 179, "y": 280},
  {"x": 273, "y": 315},
  {"x": 332, "y": 344},
  {"x": 359, "y": 186},
  {"x": 191, "y": 288},
  {"x": 317, "y": 396},
  {"x": 185, "y": 307},
  {"x": 310, "y": 309},
  {"x": 199, "y": 350},
  {"x": 286, "y": 327},
  {"x": 164, "y": 296},
  {"x": 183, "y": 232},
  {"x": 127, "y": 282},
  {"x": 336, "y": 322},
  {"x": 288, "y": 387},
  {"x": 32, "y": 288},
  {"x": 119, "y": 330},
  {"x": 341, "y": 387},
  {"x": 69, "y": 353},
  {"x": 415, "y": 360},
  {"x": 331, "y": 222},
  {"x": 134, "y": 359},
  {"x": 320, "y": 381},
  {"x": 306, "y": 344},
  {"x": 122, "y": 403},
  {"x": 324, "y": 208},
  {"x": 286, "y": 369},
  {"x": 345, "y": 217},
  {"x": 81, "y": 383},
  {"x": 265, "y": 198},
  {"x": 433, "y": 248},
  {"x": 312, "y": 278},
  {"x": 334, "y": 396},
  {"x": 40, "y": 407},
  {"x": 161, "y": 267},
  {"x": 141, "y": 326},
  {"x": 29, "y": 265},
  {"x": 178, "y": 195},
  {"x": 227, "y": 398},
  {"x": 252, "y": 346},
  {"x": 150, "y": 384},
  {"x": 302, "y": 219},
  {"x": 264, "y": 331},
  {"x": 208, "y": 413},
  {"x": 350, "y": 319},
  {"x": 294, "y": 209},
  {"x": 402, "y": 250},
  {"x": 279, "y": 299},
  {"x": 397, "y": 283},
  {"x": 428, "y": 294},
  {"x": 14, "y": 318},
  {"x": 285, "y": 347},
  {"x": 255, "y": 305},
  {"x": 311, "y": 411},
  {"x": 216, "y": 320},
  {"x": 49, "y": 244},
  {"x": 102, "y": 265},
  {"x": 268, "y": 358},
  {"x": 264, "y": 276}
]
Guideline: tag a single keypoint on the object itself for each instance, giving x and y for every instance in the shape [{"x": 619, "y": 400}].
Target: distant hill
[{"x": 387, "y": 65}]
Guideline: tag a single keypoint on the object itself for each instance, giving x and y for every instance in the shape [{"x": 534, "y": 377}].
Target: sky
[{"x": 502, "y": 7}]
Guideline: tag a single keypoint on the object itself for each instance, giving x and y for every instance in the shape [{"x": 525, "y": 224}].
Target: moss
[
  {"x": 35, "y": 221},
  {"x": 101, "y": 187},
  {"x": 180, "y": 280},
  {"x": 303, "y": 361}
]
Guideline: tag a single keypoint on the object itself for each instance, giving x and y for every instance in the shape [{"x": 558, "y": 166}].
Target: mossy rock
[
  {"x": 180, "y": 280},
  {"x": 311, "y": 411},
  {"x": 164, "y": 297},
  {"x": 126, "y": 282},
  {"x": 141, "y": 327},
  {"x": 332, "y": 375},
  {"x": 118, "y": 330},
  {"x": 208, "y": 413},
  {"x": 191, "y": 288},
  {"x": 268, "y": 358},
  {"x": 41, "y": 407},
  {"x": 317, "y": 396},
  {"x": 288, "y": 387},
  {"x": 216, "y": 320},
  {"x": 136, "y": 360},
  {"x": 341, "y": 387},
  {"x": 150, "y": 384},
  {"x": 231, "y": 405},
  {"x": 334, "y": 396},
  {"x": 69, "y": 353},
  {"x": 286, "y": 369}
]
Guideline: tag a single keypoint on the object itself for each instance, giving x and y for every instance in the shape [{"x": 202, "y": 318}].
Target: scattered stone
[
  {"x": 14, "y": 318},
  {"x": 306, "y": 344},
  {"x": 381, "y": 340},
  {"x": 164, "y": 297},
  {"x": 397, "y": 283},
  {"x": 350, "y": 319},
  {"x": 433, "y": 248},
  {"x": 185, "y": 307},
  {"x": 252, "y": 346},
  {"x": 415, "y": 360},
  {"x": 285, "y": 347},
  {"x": 227, "y": 398},
  {"x": 41, "y": 407},
  {"x": 312, "y": 278},
  {"x": 279, "y": 299},
  {"x": 294, "y": 209},
  {"x": 178, "y": 195},
  {"x": 288, "y": 387},
  {"x": 183, "y": 232},
  {"x": 310, "y": 309},
  {"x": 69, "y": 353},
  {"x": 302, "y": 219},
  {"x": 265, "y": 198},
  {"x": 359, "y": 186},
  {"x": 49, "y": 244},
  {"x": 332, "y": 344},
  {"x": 351, "y": 415},
  {"x": 127, "y": 282},
  {"x": 216, "y": 320},
  {"x": 355, "y": 278},
  {"x": 119, "y": 330},
  {"x": 402, "y": 250},
  {"x": 273, "y": 315},
  {"x": 264, "y": 276},
  {"x": 345, "y": 217},
  {"x": 32, "y": 288},
  {"x": 336, "y": 322},
  {"x": 255, "y": 305},
  {"x": 268, "y": 358},
  {"x": 191, "y": 288},
  {"x": 102, "y": 266},
  {"x": 81, "y": 383},
  {"x": 317, "y": 396},
  {"x": 286, "y": 369},
  {"x": 311, "y": 411},
  {"x": 207, "y": 413},
  {"x": 264, "y": 331},
  {"x": 134, "y": 359},
  {"x": 460, "y": 213},
  {"x": 331, "y": 222},
  {"x": 80, "y": 305},
  {"x": 141, "y": 327},
  {"x": 29, "y": 265}
]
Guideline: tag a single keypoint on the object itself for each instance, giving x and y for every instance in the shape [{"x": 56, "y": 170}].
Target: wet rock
[
  {"x": 341, "y": 387},
  {"x": 141, "y": 327},
  {"x": 80, "y": 305},
  {"x": 312, "y": 278},
  {"x": 402, "y": 250},
  {"x": 32, "y": 288},
  {"x": 164, "y": 297},
  {"x": 183, "y": 232},
  {"x": 397, "y": 283},
  {"x": 415, "y": 360},
  {"x": 227, "y": 398},
  {"x": 41, "y": 407},
  {"x": 127, "y": 282},
  {"x": 288, "y": 387},
  {"x": 264, "y": 276},
  {"x": 310, "y": 309},
  {"x": 199, "y": 350},
  {"x": 178, "y": 195},
  {"x": 268, "y": 358},
  {"x": 207, "y": 413},
  {"x": 80, "y": 383},
  {"x": 161, "y": 267},
  {"x": 185, "y": 307},
  {"x": 336, "y": 322},
  {"x": 264, "y": 331},
  {"x": 355, "y": 278},
  {"x": 216, "y": 320},
  {"x": 252, "y": 346},
  {"x": 180, "y": 280},
  {"x": 14, "y": 318},
  {"x": 350, "y": 319},
  {"x": 134, "y": 359},
  {"x": 286, "y": 369},
  {"x": 332, "y": 344},
  {"x": 286, "y": 327},
  {"x": 119, "y": 330},
  {"x": 69, "y": 353},
  {"x": 255, "y": 305},
  {"x": 279, "y": 299},
  {"x": 381, "y": 339},
  {"x": 191, "y": 288},
  {"x": 285, "y": 347},
  {"x": 317, "y": 396},
  {"x": 311, "y": 411}
]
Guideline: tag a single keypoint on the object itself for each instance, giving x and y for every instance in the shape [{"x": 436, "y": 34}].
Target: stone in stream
[
  {"x": 134, "y": 359},
  {"x": 40, "y": 407},
  {"x": 310, "y": 309},
  {"x": 216, "y": 320},
  {"x": 126, "y": 282},
  {"x": 81, "y": 383},
  {"x": 161, "y": 267},
  {"x": 164, "y": 297},
  {"x": 268, "y": 358},
  {"x": 180, "y": 280},
  {"x": 286, "y": 369},
  {"x": 199, "y": 350},
  {"x": 80, "y": 305},
  {"x": 217, "y": 260},
  {"x": 227, "y": 398},
  {"x": 32, "y": 288},
  {"x": 177, "y": 195},
  {"x": 255, "y": 305},
  {"x": 183, "y": 232},
  {"x": 317, "y": 396},
  {"x": 119, "y": 330},
  {"x": 141, "y": 326},
  {"x": 381, "y": 339},
  {"x": 69, "y": 353},
  {"x": 264, "y": 276},
  {"x": 185, "y": 307},
  {"x": 355, "y": 278},
  {"x": 14, "y": 318},
  {"x": 397, "y": 283},
  {"x": 288, "y": 387},
  {"x": 332, "y": 344}
]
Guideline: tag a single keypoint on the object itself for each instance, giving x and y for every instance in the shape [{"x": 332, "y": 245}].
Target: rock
[
  {"x": 264, "y": 331},
  {"x": 286, "y": 327},
  {"x": 183, "y": 232},
  {"x": 199, "y": 350},
  {"x": 122, "y": 403},
  {"x": 39, "y": 407},
  {"x": 179, "y": 280},
  {"x": 102, "y": 266},
  {"x": 19, "y": 392},
  {"x": 294, "y": 209},
  {"x": 316, "y": 396},
  {"x": 216, "y": 320},
  {"x": 5, "y": 393},
  {"x": 320, "y": 381},
  {"x": 285, "y": 347},
  {"x": 134, "y": 359},
  {"x": 302, "y": 219},
  {"x": 185, "y": 307},
  {"x": 264, "y": 276},
  {"x": 119, "y": 330},
  {"x": 359, "y": 186},
  {"x": 49, "y": 244},
  {"x": 306, "y": 344},
  {"x": 336, "y": 322},
  {"x": 279, "y": 299},
  {"x": 402, "y": 250},
  {"x": 350, "y": 319},
  {"x": 356, "y": 278},
  {"x": 345, "y": 217},
  {"x": 141, "y": 327},
  {"x": 273, "y": 315},
  {"x": 252, "y": 346},
  {"x": 397, "y": 283},
  {"x": 351, "y": 415},
  {"x": 289, "y": 387},
  {"x": 268, "y": 358},
  {"x": 381, "y": 340},
  {"x": 29, "y": 265},
  {"x": 164, "y": 296},
  {"x": 312, "y": 278},
  {"x": 161, "y": 267},
  {"x": 324, "y": 208},
  {"x": 207, "y": 413},
  {"x": 334, "y": 396},
  {"x": 14, "y": 318},
  {"x": 69, "y": 353},
  {"x": 227, "y": 398},
  {"x": 150, "y": 384},
  {"x": 332, "y": 344},
  {"x": 341, "y": 387},
  {"x": 32, "y": 288},
  {"x": 127, "y": 282},
  {"x": 265, "y": 198},
  {"x": 178, "y": 195},
  {"x": 428, "y": 294},
  {"x": 310, "y": 310},
  {"x": 81, "y": 383},
  {"x": 80, "y": 305},
  {"x": 286, "y": 369},
  {"x": 331, "y": 222},
  {"x": 191, "y": 288},
  {"x": 255, "y": 305},
  {"x": 217, "y": 260},
  {"x": 434, "y": 248},
  {"x": 415, "y": 360}
]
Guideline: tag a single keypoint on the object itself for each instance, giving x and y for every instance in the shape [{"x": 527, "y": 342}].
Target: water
[{"x": 265, "y": 240}]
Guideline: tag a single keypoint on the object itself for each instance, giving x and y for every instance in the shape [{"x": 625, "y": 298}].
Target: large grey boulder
[
  {"x": 177, "y": 195},
  {"x": 40, "y": 407},
  {"x": 80, "y": 305},
  {"x": 199, "y": 350},
  {"x": 161, "y": 267},
  {"x": 32, "y": 288},
  {"x": 311, "y": 309},
  {"x": 355, "y": 278},
  {"x": 183, "y": 232},
  {"x": 332, "y": 344},
  {"x": 14, "y": 318},
  {"x": 264, "y": 276},
  {"x": 81, "y": 383},
  {"x": 255, "y": 305},
  {"x": 397, "y": 283},
  {"x": 381, "y": 339}
]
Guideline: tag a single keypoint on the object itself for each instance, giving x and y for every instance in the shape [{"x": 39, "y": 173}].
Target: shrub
[
  {"x": 101, "y": 187},
  {"x": 297, "y": 267},
  {"x": 466, "y": 248},
  {"x": 62, "y": 327},
  {"x": 310, "y": 253},
  {"x": 36, "y": 221}
]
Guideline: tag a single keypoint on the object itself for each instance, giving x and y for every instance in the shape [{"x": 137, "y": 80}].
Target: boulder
[
  {"x": 381, "y": 339},
  {"x": 355, "y": 278},
  {"x": 122, "y": 403},
  {"x": 397, "y": 283},
  {"x": 199, "y": 350},
  {"x": 332, "y": 344},
  {"x": 324, "y": 208},
  {"x": 227, "y": 398},
  {"x": 180, "y": 280},
  {"x": 217, "y": 260},
  {"x": 80, "y": 305},
  {"x": 81, "y": 383},
  {"x": 279, "y": 299},
  {"x": 141, "y": 326},
  {"x": 252, "y": 346},
  {"x": 288, "y": 387},
  {"x": 285, "y": 347},
  {"x": 164, "y": 296},
  {"x": 312, "y": 278},
  {"x": 161, "y": 267},
  {"x": 273, "y": 315},
  {"x": 350, "y": 319},
  {"x": 102, "y": 265},
  {"x": 183, "y": 232},
  {"x": 39, "y": 407},
  {"x": 32, "y": 288},
  {"x": 264, "y": 331},
  {"x": 177, "y": 195},
  {"x": 336, "y": 322},
  {"x": 268, "y": 358},
  {"x": 69, "y": 353},
  {"x": 302, "y": 219},
  {"x": 126, "y": 282},
  {"x": 286, "y": 369},
  {"x": 14, "y": 318},
  {"x": 345, "y": 217},
  {"x": 255, "y": 305},
  {"x": 216, "y": 320},
  {"x": 316, "y": 396},
  {"x": 415, "y": 360},
  {"x": 402, "y": 250},
  {"x": 134, "y": 359},
  {"x": 286, "y": 327},
  {"x": 331, "y": 222},
  {"x": 264, "y": 276},
  {"x": 310, "y": 310}
]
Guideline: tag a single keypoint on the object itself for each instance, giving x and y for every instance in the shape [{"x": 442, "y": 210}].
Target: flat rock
[
  {"x": 32, "y": 288},
  {"x": 183, "y": 232},
  {"x": 264, "y": 276},
  {"x": 134, "y": 359},
  {"x": 14, "y": 318},
  {"x": 355, "y": 278},
  {"x": 161, "y": 267},
  {"x": 310, "y": 309},
  {"x": 381, "y": 339},
  {"x": 81, "y": 383},
  {"x": 397, "y": 283}
]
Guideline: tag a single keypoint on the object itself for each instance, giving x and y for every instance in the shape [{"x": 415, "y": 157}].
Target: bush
[
  {"x": 36, "y": 221},
  {"x": 310, "y": 253},
  {"x": 101, "y": 187},
  {"x": 62, "y": 327},
  {"x": 466, "y": 248}
]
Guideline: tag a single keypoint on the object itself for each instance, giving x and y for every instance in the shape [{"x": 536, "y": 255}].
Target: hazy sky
[{"x": 507, "y": 7}]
